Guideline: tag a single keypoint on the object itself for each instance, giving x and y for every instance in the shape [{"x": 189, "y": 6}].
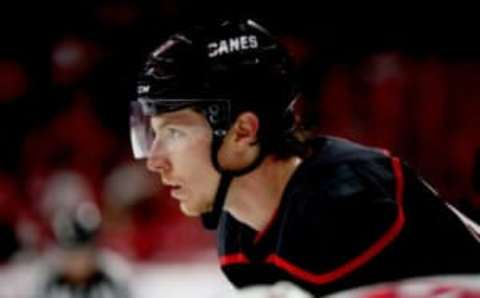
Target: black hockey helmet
[{"x": 224, "y": 68}]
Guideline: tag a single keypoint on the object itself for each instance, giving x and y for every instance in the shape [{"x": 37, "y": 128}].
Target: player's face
[{"x": 181, "y": 155}]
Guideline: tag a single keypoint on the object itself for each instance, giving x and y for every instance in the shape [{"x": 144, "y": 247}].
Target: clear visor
[
  {"x": 142, "y": 135},
  {"x": 141, "y": 132}
]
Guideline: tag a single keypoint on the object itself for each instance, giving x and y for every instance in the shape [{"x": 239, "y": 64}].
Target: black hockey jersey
[{"x": 349, "y": 216}]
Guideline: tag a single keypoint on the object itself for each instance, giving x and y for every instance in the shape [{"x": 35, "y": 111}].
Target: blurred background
[{"x": 405, "y": 78}]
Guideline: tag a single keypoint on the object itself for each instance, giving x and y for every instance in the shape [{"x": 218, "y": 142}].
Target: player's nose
[
  {"x": 158, "y": 161},
  {"x": 158, "y": 164}
]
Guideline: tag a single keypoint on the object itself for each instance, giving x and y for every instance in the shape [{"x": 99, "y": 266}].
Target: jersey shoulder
[{"x": 340, "y": 204}]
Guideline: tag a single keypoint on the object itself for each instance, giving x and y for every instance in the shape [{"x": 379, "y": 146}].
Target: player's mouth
[
  {"x": 176, "y": 192},
  {"x": 175, "y": 189}
]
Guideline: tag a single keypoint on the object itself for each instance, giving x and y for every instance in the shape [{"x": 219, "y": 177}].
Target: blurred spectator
[
  {"x": 78, "y": 269},
  {"x": 60, "y": 190}
]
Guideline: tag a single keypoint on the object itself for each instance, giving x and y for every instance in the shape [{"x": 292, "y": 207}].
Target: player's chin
[{"x": 192, "y": 211}]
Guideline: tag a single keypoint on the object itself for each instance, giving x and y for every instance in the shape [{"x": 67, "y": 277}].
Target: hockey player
[{"x": 214, "y": 117}]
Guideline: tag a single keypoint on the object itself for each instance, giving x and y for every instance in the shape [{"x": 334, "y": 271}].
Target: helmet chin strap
[{"x": 211, "y": 219}]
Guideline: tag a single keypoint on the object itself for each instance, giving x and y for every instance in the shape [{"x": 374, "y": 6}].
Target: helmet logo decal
[
  {"x": 143, "y": 89},
  {"x": 231, "y": 45}
]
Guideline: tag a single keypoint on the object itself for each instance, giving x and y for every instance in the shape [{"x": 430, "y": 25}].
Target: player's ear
[
  {"x": 244, "y": 130},
  {"x": 240, "y": 147}
]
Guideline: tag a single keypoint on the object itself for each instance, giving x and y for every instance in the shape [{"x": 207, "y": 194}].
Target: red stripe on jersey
[
  {"x": 232, "y": 259},
  {"x": 363, "y": 258}
]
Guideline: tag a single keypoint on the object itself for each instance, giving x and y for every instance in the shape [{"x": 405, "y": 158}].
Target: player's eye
[{"x": 174, "y": 133}]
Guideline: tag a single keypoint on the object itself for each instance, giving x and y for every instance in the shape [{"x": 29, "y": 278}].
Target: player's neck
[{"x": 253, "y": 198}]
